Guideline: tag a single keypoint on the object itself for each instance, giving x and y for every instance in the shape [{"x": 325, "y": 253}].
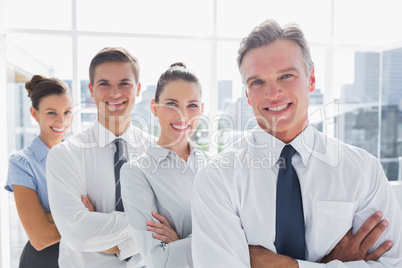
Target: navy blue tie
[
  {"x": 119, "y": 160},
  {"x": 290, "y": 239}
]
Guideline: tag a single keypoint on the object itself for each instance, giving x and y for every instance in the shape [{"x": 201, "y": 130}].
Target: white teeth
[
  {"x": 279, "y": 108},
  {"x": 59, "y": 129},
  {"x": 115, "y": 103},
  {"x": 179, "y": 127}
]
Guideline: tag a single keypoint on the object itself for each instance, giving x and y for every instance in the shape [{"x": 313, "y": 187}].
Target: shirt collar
[
  {"x": 39, "y": 149},
  {"x": 272, "y": 147},
  {"x": 159, "y": 153},
  {"x": 304, "y": 144},
  {"x": 104, "y": 136},
  {"x": 267, "y": 144},
  {"x": 193, "y": 147}
]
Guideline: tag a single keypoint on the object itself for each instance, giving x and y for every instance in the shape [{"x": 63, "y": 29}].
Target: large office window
[{"x": 358, "y": 66}]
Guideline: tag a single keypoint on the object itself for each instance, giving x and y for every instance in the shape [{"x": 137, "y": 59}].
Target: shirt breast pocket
[{"x": 332, "y": 221}]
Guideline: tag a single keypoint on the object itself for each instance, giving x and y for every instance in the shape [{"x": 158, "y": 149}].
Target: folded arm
[
  {"x": 88, "y": 204},
  {"x": 375, "y": 238},
  {"x": 162, "y": 229},
  {"x": 355, "y": 247},
  {"x": 38, "y": 224},
  {"x": 81, "y": 229},
  {"x": 139, "y": 202},
  {"x": 349, "y": 249}
]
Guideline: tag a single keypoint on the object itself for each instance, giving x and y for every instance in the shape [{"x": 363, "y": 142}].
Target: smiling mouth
[
  {"x": 58, "y": 129},
  {"x": 278, "y": 108},
  {"x": 180, "y": 127},
  {"x": 115, "y": 103}
]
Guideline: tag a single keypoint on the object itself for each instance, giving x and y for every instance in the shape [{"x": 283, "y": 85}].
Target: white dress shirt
[
  {"x": 234, "y": 200},
  {"x": 84, "y": 165},
  {"x": 159, "y": 181}
]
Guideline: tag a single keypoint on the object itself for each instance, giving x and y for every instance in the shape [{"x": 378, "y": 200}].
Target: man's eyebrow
[
  {"x": 105, "y": 80},
  {"x": 251, "y": 78},
  {"x": 290, "y": 69}
]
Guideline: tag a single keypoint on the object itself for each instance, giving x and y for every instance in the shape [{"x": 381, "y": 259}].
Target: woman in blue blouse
[{"x": 51, "y": 108}]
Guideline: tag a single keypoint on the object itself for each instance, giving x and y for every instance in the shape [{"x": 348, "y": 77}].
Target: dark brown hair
[
  {"x": 40, "y": 86},
  {"x": 114, "y": 54},
  {"x": 176, "y": 71}
]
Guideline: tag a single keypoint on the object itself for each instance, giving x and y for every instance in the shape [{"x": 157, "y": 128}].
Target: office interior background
[{"x": 356, "y": 46}]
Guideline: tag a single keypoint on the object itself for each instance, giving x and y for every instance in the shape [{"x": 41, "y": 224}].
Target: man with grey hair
[{"x": 286, "y": 195}]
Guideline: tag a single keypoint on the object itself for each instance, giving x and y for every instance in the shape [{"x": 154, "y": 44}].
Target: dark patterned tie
[
  {"x": 290, "y": 236},
  {"x": 119, "y": 160}
]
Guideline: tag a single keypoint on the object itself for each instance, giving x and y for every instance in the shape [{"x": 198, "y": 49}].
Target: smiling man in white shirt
[
  {"x": 349, "y": 214},
  {"x": 84, "y": 165}
]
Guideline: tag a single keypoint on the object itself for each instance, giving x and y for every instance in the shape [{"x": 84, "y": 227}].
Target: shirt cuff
[
  {"x": 307, "y": 264},
  {"x": 127, "y": 249}
]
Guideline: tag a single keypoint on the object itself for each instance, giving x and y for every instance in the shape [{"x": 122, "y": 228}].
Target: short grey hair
[{"x": 268, "y": 32}]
